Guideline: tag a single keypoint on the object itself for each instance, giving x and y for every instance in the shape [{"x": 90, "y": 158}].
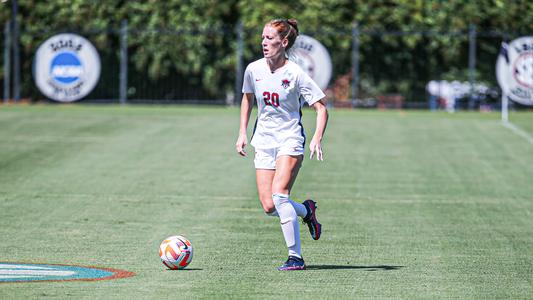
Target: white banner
[
  {"x": 313, "y": 58},
  {"x": 514, "y": 70}
]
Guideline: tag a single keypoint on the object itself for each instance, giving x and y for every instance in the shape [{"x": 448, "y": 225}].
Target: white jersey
[{"x": 280, "y": 96}]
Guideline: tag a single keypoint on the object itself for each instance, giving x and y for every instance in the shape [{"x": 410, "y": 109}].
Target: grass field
[{"x": 413, "y": 204}]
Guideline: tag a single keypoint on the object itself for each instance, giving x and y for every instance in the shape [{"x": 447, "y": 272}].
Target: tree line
[{"x": 197, "y": 39}]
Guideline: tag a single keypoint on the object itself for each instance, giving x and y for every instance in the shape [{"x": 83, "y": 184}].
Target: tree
[{"x": 195, "y": 41}]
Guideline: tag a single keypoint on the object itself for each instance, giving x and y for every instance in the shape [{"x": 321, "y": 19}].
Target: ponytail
[{"x": 286, "y": 28}]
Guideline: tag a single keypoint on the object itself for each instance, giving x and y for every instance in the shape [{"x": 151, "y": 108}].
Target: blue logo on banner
[
  {"x": 66, "y": 68},
  {"x": 15, "y": 272}
]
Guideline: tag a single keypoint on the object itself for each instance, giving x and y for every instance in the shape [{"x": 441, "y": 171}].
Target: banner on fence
[
  {"x": 514, "y": 70},
  {"x": 313, "y": 58},
  {"x": 67, "y": 67}
]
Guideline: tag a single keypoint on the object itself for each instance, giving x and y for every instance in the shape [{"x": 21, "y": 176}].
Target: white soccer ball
[{"x": 176, "y": 252}]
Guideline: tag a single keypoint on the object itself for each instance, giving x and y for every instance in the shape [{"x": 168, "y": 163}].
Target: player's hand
[
  {"x": 316, "y": 148},
  {"x": 241, "y": 143}
]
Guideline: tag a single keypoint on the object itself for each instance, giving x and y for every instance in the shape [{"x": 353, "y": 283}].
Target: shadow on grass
[
  {"x": 184, "y": 270},
  {"x": 348, "y": 267}
]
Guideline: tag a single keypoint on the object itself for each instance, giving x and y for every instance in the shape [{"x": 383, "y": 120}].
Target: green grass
[{"x": 414, "y": 204}]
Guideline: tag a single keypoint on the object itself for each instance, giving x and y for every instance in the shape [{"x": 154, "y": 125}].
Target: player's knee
[
  {"x": 267, "y": 204},
  {"x": 273, "y": 214},
  {"x": 269, "y": 208}
]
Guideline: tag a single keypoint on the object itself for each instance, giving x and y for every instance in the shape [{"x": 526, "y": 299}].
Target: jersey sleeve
[
  {"x": 247, "y": 83},
  {"x": 309, "y": 90}
]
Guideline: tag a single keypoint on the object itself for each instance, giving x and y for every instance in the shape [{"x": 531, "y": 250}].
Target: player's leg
[
  {"x": 307, "y": 209},
  {"x": 265, "y": 168},
  {"x": 285, "y": 188},
  {"x": 264, "y": 178},
  {"x": 287, "y": 168}
]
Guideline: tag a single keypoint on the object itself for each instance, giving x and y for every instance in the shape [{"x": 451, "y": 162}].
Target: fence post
[
  {"x": 505, "y": 108},
  {"x": 7, "y": 62},
  {"x": 238, "y": 68},
  {"x": 16, "y": 54},
  {"x": 472, "y": 61},
  {"x": 123, "y": 76},
  {"x": 355, "y": 62}
]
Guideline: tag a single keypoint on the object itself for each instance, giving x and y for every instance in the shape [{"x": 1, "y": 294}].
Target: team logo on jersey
[{"x": 285, "y": 83}]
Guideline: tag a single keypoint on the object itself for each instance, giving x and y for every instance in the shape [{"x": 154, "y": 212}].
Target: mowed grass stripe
[{"x": 414, "y": 204}]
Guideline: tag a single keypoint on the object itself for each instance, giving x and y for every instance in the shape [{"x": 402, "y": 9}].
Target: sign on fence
[
  {"x": 313, "y": 58},
  {"x": 67, "y": 67},
  {"x": 514, "y": 70}
]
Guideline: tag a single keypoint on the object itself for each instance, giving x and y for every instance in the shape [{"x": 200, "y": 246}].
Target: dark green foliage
[{"x": 195, "y": 40}]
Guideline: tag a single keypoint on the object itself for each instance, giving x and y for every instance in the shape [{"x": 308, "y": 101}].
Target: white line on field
[
  {"x": 518, "y": 131},
  {"x": 137, "y": 197}
]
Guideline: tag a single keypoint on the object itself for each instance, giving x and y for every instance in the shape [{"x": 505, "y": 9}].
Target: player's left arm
[{"x": 321, "y": 123}]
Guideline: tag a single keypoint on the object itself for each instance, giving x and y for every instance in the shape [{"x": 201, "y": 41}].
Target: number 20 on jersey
[{"x": 271, "y": 99}]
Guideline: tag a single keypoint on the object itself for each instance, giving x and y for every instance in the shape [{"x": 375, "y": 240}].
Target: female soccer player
[{"x": 280, "y": 87}]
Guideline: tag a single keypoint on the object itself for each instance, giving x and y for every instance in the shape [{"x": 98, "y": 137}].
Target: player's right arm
[{"x": 246, "y": 110}]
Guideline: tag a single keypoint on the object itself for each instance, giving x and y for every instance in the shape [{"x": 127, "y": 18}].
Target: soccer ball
[{"x": 175, "y": 252}]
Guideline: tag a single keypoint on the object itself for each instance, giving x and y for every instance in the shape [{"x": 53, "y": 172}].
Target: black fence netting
[{"x": 384, "y": 69}]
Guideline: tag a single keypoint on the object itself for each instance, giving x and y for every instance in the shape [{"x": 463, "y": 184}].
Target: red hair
[{"x": 286, "y": 28}]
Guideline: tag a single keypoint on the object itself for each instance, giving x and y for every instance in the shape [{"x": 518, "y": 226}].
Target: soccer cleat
[
  {"x": 315, "y": 228},
  {"x": 293, "y": 264}
]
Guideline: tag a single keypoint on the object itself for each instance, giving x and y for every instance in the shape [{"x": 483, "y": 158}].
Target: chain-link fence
[{"x": 384, "y": 69}]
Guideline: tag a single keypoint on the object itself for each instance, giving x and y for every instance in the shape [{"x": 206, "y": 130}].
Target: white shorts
[{"x": 266, "y": 158}]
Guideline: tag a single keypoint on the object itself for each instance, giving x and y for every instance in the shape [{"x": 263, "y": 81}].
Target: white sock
[
  {"x": 300, "y": 209},
  {"x": 289, "y": 224}
]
